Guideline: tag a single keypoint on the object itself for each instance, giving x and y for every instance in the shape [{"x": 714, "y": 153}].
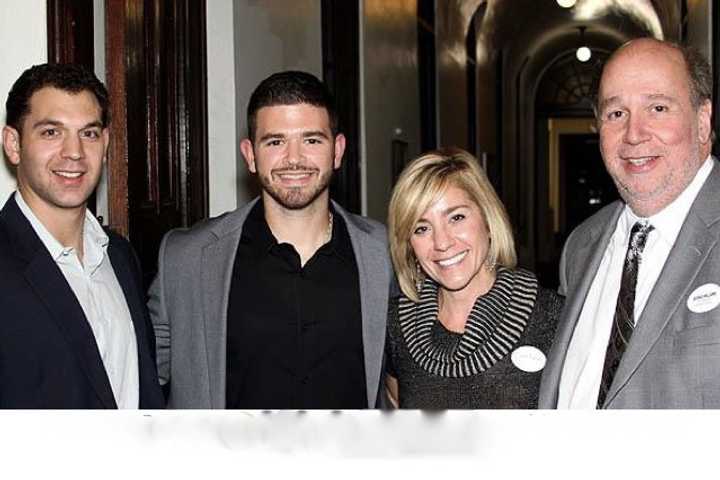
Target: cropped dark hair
[
  {"x": 290, "y": 88},
  {"x": 63, "y": 76}
]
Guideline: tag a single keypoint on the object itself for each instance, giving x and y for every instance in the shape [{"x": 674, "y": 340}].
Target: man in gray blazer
[
  {"x": 283, "y": 302},
  {"x": 658, "y": 344}
]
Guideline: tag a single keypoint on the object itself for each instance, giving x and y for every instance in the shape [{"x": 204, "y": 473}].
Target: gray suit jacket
[
  {"x": 189, "y": 302},
  {"x": 673, "y": 359}
]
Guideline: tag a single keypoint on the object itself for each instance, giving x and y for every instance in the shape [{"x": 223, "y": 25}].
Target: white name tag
[
  {"x": 528, "y": 359},
  {"x": 704, "y": 298}
]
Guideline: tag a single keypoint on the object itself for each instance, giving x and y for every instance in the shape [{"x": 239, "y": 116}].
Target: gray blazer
[
  {"x": 673, "y": 359},
  {"x": 189, "y": 301}
]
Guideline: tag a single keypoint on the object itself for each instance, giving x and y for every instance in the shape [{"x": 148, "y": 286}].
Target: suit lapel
[
  {"x": 218, "y": 260},
  {"x": 374, "y": 278},
  {"x": 147, "y": 375},
  {"x": 124, "y": 276},
  {"x": 582, "y": 264},
  {"x": 53, "y": 291},
  {"x": 696, "y": 239}
]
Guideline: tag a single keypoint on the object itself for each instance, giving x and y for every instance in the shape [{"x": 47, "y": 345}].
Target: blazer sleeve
[
  {"x": 159, "y": 316},
  {"x": 562, "y": 289}
]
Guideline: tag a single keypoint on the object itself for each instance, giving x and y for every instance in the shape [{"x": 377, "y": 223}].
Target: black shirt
[{"x": 294, "y": 332}]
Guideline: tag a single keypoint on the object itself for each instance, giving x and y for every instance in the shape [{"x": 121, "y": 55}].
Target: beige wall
[
  {"x": 390, "y": 95},
  {"x": 23, "y": 32},
  {"x": 269, "y": 37}
]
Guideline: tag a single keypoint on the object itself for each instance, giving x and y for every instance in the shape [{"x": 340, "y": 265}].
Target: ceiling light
[
  {"x": 583, "y": 54},
  {"x": 566, "y": 3}
]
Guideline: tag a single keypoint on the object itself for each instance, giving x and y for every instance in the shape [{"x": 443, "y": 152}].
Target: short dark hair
[
  {"x": 63, "y": 76},
  {"x": 290, "y": 88}
]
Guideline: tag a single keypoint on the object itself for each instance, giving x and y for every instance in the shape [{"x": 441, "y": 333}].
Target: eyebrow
[
  {"x": 57, "y": 123},
  {"x": 280, "y": 136},
  {"x": 447, "y": 211},
  {"x": 315, "y": 133},
  {"x": 652, "y": 96},
  {"x": 271, "y": 136}
]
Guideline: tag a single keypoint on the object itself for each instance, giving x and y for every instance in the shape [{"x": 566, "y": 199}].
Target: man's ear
[
  {"x": 246, "y": 147},
  {"x": 339, "y": 150},
  {"x": 106, "y": 141},
  {"x": 11, "y": 144},
  {"x": 704, "y": 117}
]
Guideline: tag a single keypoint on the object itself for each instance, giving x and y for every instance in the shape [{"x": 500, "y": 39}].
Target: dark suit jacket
[
  {"x": 48, "y": 354},
  {"x": 673, "y": 358}
]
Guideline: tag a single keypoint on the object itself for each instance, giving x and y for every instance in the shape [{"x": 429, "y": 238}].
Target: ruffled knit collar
[{"x": 493, "y": 327}]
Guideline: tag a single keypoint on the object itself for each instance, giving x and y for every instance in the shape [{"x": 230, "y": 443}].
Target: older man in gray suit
[
  {"x": 281, "y": 303},
  {"x": 641, "y": 326}
]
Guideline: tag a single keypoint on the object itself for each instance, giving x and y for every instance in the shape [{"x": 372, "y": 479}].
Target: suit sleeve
[
  {"x": 159, "y": 317},
  {"x": 562, "y": 289}
]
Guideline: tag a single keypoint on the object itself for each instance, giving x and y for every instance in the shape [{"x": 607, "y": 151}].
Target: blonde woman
[{"x": 469, "y": 329}]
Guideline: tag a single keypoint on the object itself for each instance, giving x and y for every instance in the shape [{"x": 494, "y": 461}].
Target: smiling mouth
[
  {"x": 294, "y": 175},
  {"x": 639, "y": 161},
  {"x": 70, "y": 175},
  {"x": 448, "y": 262}
]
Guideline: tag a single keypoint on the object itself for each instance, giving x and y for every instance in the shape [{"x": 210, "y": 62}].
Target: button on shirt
[
  {"x": 582, "y": 370},
  {"x": 101, "y": 298},
  {"x": 294, "y": 332}
]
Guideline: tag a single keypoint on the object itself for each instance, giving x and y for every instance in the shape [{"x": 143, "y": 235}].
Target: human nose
[
  {"x": 635, "y": 130},
  {"x": 442, "y": 239},
  {"x": 72, "y": 148},
  {"x": 294, "y": 151}
]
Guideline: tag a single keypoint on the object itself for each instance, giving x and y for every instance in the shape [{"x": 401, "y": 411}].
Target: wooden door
[{"x": 158, "y": 157}]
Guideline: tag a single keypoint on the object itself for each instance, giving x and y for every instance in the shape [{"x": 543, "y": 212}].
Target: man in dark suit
[
  {"x": 74, "y": 330},
  {"x": 641, "y": 326}
]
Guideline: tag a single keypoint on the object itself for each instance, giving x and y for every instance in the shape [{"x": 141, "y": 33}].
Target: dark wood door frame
[
  {"x": 158, "y": 160},
  {"x": 70, "y": 32}
]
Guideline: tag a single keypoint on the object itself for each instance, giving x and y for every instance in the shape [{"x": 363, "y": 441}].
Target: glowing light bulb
[
  {"x": 566, "y": 3},
  {"x": 583, "y": 54}
]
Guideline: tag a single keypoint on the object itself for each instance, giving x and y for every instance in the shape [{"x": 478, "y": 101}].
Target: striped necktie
[{"x": 624, "y": 321}]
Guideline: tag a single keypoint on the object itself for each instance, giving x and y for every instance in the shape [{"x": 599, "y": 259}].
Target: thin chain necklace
[{"x": 328, "y": 232}]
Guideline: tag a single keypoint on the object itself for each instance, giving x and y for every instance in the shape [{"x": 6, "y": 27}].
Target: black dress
[{"x": 439, "y": 369}]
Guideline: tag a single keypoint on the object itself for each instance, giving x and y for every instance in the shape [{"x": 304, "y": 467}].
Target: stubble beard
[
  {"x": 665, "y": 192},
  {"x": 296, "y": 198}
]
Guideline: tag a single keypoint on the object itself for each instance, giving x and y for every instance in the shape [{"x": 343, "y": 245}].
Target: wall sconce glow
[
  {"x": 566, "y": 3},
  {"x": 583, "y": 54}
]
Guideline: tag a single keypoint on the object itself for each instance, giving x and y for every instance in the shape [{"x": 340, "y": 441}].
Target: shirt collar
[
  {"x": 95, "y": 241},
  {"x": 257, "y": 233},
  {"x": 668, "y": 221}
]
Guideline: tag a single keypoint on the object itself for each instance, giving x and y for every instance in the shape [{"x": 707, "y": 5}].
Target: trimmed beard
[{"x": 296, "y": 198}]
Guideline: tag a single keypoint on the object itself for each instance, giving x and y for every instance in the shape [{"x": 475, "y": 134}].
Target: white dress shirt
[
  {"x": 96, "y": 288},
  {"x": 583, "y": 367}
]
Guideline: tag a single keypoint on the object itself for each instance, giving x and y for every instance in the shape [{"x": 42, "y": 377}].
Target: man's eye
[
  {"x": 274, "y": 143},
  {"x": 660, "y": 108},
  {"x": 314, "y": 141},
  {"x": 615, "y": 115},
  {"x": 50, "y": 132},
  {"x": 91, "y": 134}
]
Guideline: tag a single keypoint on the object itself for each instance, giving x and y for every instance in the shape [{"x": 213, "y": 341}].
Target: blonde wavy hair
[{"x": 422, "y": 183}]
